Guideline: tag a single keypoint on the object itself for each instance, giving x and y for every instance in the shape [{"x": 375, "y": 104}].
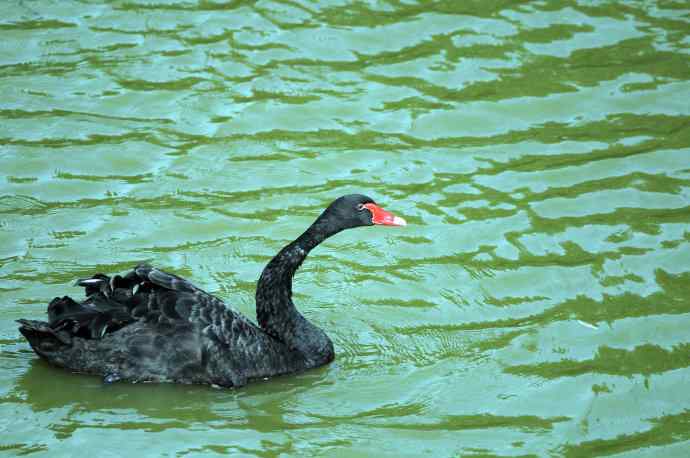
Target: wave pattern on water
[{"x": 537, "y": 304}]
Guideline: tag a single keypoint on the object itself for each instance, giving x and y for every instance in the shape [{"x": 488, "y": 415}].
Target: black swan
[{"x": 149, "y": 325}]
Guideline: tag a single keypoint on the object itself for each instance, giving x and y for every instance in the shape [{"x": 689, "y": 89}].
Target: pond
[{"x": 537, "y": 303}]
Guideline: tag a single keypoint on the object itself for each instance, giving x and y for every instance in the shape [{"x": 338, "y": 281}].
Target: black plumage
[{"x": 149, "y": 325}]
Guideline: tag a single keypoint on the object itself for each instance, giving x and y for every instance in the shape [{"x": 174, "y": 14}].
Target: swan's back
[{"x": 149, "y": 325}]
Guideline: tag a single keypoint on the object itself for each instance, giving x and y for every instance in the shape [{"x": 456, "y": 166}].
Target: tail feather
[
  {"x": 60, "y": 308},
  {"x": 110, "y": 304},
  {"x": 105, "y": 309},
  {"x": 42, "y": 337},
  {"x": 91, "y": 319}
]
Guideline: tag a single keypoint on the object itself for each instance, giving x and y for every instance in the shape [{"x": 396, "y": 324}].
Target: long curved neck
[{"x": 276, "y": 313}]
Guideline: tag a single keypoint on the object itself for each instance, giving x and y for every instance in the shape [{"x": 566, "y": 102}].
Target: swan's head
[{"x": 356, "y": 210}]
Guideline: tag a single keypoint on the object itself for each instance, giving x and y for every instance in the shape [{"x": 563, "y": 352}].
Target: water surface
[{"x": 538, "y": 304}]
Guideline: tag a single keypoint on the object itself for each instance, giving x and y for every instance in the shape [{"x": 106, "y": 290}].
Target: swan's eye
[{"x": 360, "y": 207}]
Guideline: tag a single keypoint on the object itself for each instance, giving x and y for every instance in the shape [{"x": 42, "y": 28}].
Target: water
[{"x": 537, "y": 304}]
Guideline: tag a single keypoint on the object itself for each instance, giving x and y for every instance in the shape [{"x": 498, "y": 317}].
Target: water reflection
[{"x": 536, "y": 303}]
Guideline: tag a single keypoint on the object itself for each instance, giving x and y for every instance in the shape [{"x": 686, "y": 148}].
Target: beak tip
[{"x": 398, "y": 221}]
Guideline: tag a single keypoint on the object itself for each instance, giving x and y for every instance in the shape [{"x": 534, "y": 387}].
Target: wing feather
[{"x": 151, "y": 295}]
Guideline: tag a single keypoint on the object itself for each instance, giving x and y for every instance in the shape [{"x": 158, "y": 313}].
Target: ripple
[{"x": 538, "y": 152}]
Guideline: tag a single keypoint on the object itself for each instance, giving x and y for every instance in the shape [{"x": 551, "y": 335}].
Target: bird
[{"x": 152, "y": 326}]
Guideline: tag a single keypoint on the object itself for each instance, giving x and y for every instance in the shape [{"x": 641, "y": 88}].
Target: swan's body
[{"x": 153, "y": 326}]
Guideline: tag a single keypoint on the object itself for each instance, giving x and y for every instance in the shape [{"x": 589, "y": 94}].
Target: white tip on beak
[{"x": 398, "y": 221}]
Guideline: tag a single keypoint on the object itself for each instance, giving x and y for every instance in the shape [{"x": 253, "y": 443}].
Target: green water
[{"x": 538, "y": 303}]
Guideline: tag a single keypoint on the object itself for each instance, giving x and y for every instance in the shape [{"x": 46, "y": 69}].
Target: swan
[{"x": 153, "y": 326}]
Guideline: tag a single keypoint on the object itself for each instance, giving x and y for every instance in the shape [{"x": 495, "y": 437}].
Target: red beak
[{"x": 381, "y": 216}]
